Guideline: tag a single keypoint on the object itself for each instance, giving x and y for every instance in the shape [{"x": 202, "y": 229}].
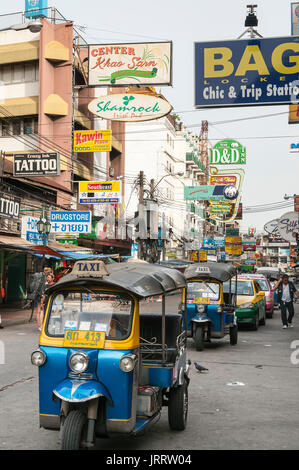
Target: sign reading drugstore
[
  {"x": 130, "y": 107},
  {"x": 247, "y": 72},
  {"x": 130, "y": 64}
]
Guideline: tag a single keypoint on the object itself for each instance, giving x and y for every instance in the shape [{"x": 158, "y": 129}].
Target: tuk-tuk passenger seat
[{"x": 151, "y": 329}]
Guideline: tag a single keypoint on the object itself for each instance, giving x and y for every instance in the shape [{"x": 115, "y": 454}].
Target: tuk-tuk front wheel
[
  {"x": 233, "y": 335},
  {"x": 74, "y": 431},
  {"x": 199, "y": 336},
  {"x": 178, "y": 407}
]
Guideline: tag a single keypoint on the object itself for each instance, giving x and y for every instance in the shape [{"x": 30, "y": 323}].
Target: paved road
[{"x": 258, "y": 411}]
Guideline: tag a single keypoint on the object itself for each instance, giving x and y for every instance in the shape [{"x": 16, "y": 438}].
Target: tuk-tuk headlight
[
  {"x": 38, "y": 358},
  {"x": 127, "y": 363},
  {"x": 79, "y": 362},
  {"x": 200, "y": 308}
]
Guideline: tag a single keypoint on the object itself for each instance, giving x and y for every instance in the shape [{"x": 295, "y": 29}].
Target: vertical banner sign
[
  {"x": 130, "y": 64},
  {"x": 232, "y": 178},
  {"x": 247, "y": 72},
  {"x": 36, "y": 8}
]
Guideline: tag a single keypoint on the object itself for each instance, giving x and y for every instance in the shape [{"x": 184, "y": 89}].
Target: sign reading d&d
[
  {"x": 36, "y": 164},
  {"x": 228, "y": 152}
]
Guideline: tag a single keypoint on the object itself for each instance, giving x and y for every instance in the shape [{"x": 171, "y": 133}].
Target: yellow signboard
[
  {"x": 84, "y": 339},
  {"x": 92, "y": 141},
  {"x": 293, "y": 114},
  {"x": 233, "y": 245},
  {"x": 100, "y": 192}
]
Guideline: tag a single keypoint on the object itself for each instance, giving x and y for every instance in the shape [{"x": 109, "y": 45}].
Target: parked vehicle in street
[
  {"x": 251, "y": 302},
  {"x": 273, "y": 275},
  {"x": 209, "y": 311},
  {"x": 105, "y": 369},
  {"x": 266, "y": 287}
]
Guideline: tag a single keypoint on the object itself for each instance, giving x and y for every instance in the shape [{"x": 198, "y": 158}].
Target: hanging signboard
[
  {"x": 92, "y": 141},
  {"x": 288, "y": 226},
  {"x": 246, "y": 72},
  {"x": 295, "y": 18},
  {"x": 70, "y": 222},
  {"x": 9, "y": 206},
  {"x": 272, "y": 227},
  {"x": 228, "y": 152},
  {"x": 29, "y": 230},
  {"x": 203, "y": 193},
  {"x": 97, "y": 192},
  {"x": 36, "y": 8},
  {"x": 294, "y": 114},
  {"x": 36, "y": 164},
  {"x": 130, "y": 64},
  {"x": 233, "y": 246},
  {"x": 130, "y": 107},
  {"x": 234, "y": 181}
]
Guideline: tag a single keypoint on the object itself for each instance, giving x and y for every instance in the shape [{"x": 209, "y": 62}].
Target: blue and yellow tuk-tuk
[
  {"x": 105, "y": 368},
  {"x": 209, "y": 311}
]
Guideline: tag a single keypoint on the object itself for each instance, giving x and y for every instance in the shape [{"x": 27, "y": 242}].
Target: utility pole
[{"x": 141, "y": 193}]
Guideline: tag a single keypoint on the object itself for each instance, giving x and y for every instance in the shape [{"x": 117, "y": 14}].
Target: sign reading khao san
[
  {"x": 36, "y": 164},
  {"x": 92, "y": 141},
  {"x": 9, "y": 206},
  {"x": 247, "y": 72},
  {"x": 130, "y": 107},
  {"x": 228, "y": 152},
  {"x": 97, "y": 192},
  {"x": 130, "y": 64}
]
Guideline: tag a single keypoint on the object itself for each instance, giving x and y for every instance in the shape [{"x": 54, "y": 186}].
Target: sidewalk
[{"x": 15, "y": 316}]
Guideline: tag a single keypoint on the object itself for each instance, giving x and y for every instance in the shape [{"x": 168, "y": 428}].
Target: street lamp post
[{"x": 43, "y": 228}]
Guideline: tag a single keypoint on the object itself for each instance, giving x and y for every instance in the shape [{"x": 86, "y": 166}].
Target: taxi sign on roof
[
  {"x": 203, "y": 270},
  {"x": 90, "y": 269}
]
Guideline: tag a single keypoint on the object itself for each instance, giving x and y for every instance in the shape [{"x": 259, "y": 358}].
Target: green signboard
[
  {"x": 203, "y": 193},
  {"x": 228, "y": 152}
]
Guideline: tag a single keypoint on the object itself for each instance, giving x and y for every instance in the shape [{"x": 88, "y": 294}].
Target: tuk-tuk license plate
[
  {"x": 201, "y": 300},
  {"x": 84, "y": 339}
]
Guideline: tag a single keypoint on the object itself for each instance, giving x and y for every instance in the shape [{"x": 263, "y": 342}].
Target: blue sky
[{"x": 271, "y": 172}]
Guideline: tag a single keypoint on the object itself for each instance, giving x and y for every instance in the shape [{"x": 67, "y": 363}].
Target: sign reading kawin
[
  {"x": 36, "y": 164},
  {"x": 130, "y": 64},
  {"x": 92, "y": 141},
  {"x": 247, "y": 72}
]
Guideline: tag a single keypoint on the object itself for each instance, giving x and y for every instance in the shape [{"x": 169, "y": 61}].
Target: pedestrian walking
[{"x": 286, "y": 291}]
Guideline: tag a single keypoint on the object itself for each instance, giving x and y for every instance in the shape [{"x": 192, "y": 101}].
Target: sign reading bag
[{"x": 247, "y": 72}]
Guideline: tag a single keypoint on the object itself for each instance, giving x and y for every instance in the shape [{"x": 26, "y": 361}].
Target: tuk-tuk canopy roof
[
  {"x": 141, "y": 279},
  {"x": 219, "y": 271}
]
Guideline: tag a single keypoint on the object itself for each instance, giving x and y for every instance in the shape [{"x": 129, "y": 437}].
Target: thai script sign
[
  {"x": 9, "y": 206},
  {"x": 29, "y": 230},
  {"x": 234, "y": 178},
  {"x": 233, "y": 246},
  {"x": 228, "y": 152},
  {"x": 247, "y": 72},
  {"x": 97, "y": 192},
  {"x": 92, "y": 141},
  {"x": 130, "y": 64},
  {"x": 36, "y": 164},
  {"x": 203, "y": 193},
  {"x": 130, "y": 107},
  {"x": 70, "y": 222}
]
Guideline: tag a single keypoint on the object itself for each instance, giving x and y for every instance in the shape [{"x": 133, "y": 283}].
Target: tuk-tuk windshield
[
  {"x": 243, "y": 287},
  {"x": 209, "y": 290},
  {"x": 111, "y": 313}
]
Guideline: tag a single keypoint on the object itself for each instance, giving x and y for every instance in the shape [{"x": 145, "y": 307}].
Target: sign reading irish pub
[
  {"x": 130, "y": 64},
  {"x": 130, "y": 107}
]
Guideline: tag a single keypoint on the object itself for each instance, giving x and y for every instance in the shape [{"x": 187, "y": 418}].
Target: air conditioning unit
[{"x": 111, "y": 172}]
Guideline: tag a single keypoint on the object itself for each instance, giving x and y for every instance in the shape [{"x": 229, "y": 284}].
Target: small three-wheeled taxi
[
  {"x": 210, "y": 310},
  {"x": 105, "y": 368}
]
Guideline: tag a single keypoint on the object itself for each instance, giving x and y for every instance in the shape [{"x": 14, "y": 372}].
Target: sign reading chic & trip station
[
  {"x": 130, "y": 64},
  {"x": 247, "y": 72},
  {"x": 130, "y": 107}
]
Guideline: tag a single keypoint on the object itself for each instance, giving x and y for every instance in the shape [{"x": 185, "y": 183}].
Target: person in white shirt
[{"x": 286, "y": 291}]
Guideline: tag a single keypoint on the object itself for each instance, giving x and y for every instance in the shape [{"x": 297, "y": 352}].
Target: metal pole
[
  {"x": 141, "y": 191},
  {"x": 163, "y": 328}
]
